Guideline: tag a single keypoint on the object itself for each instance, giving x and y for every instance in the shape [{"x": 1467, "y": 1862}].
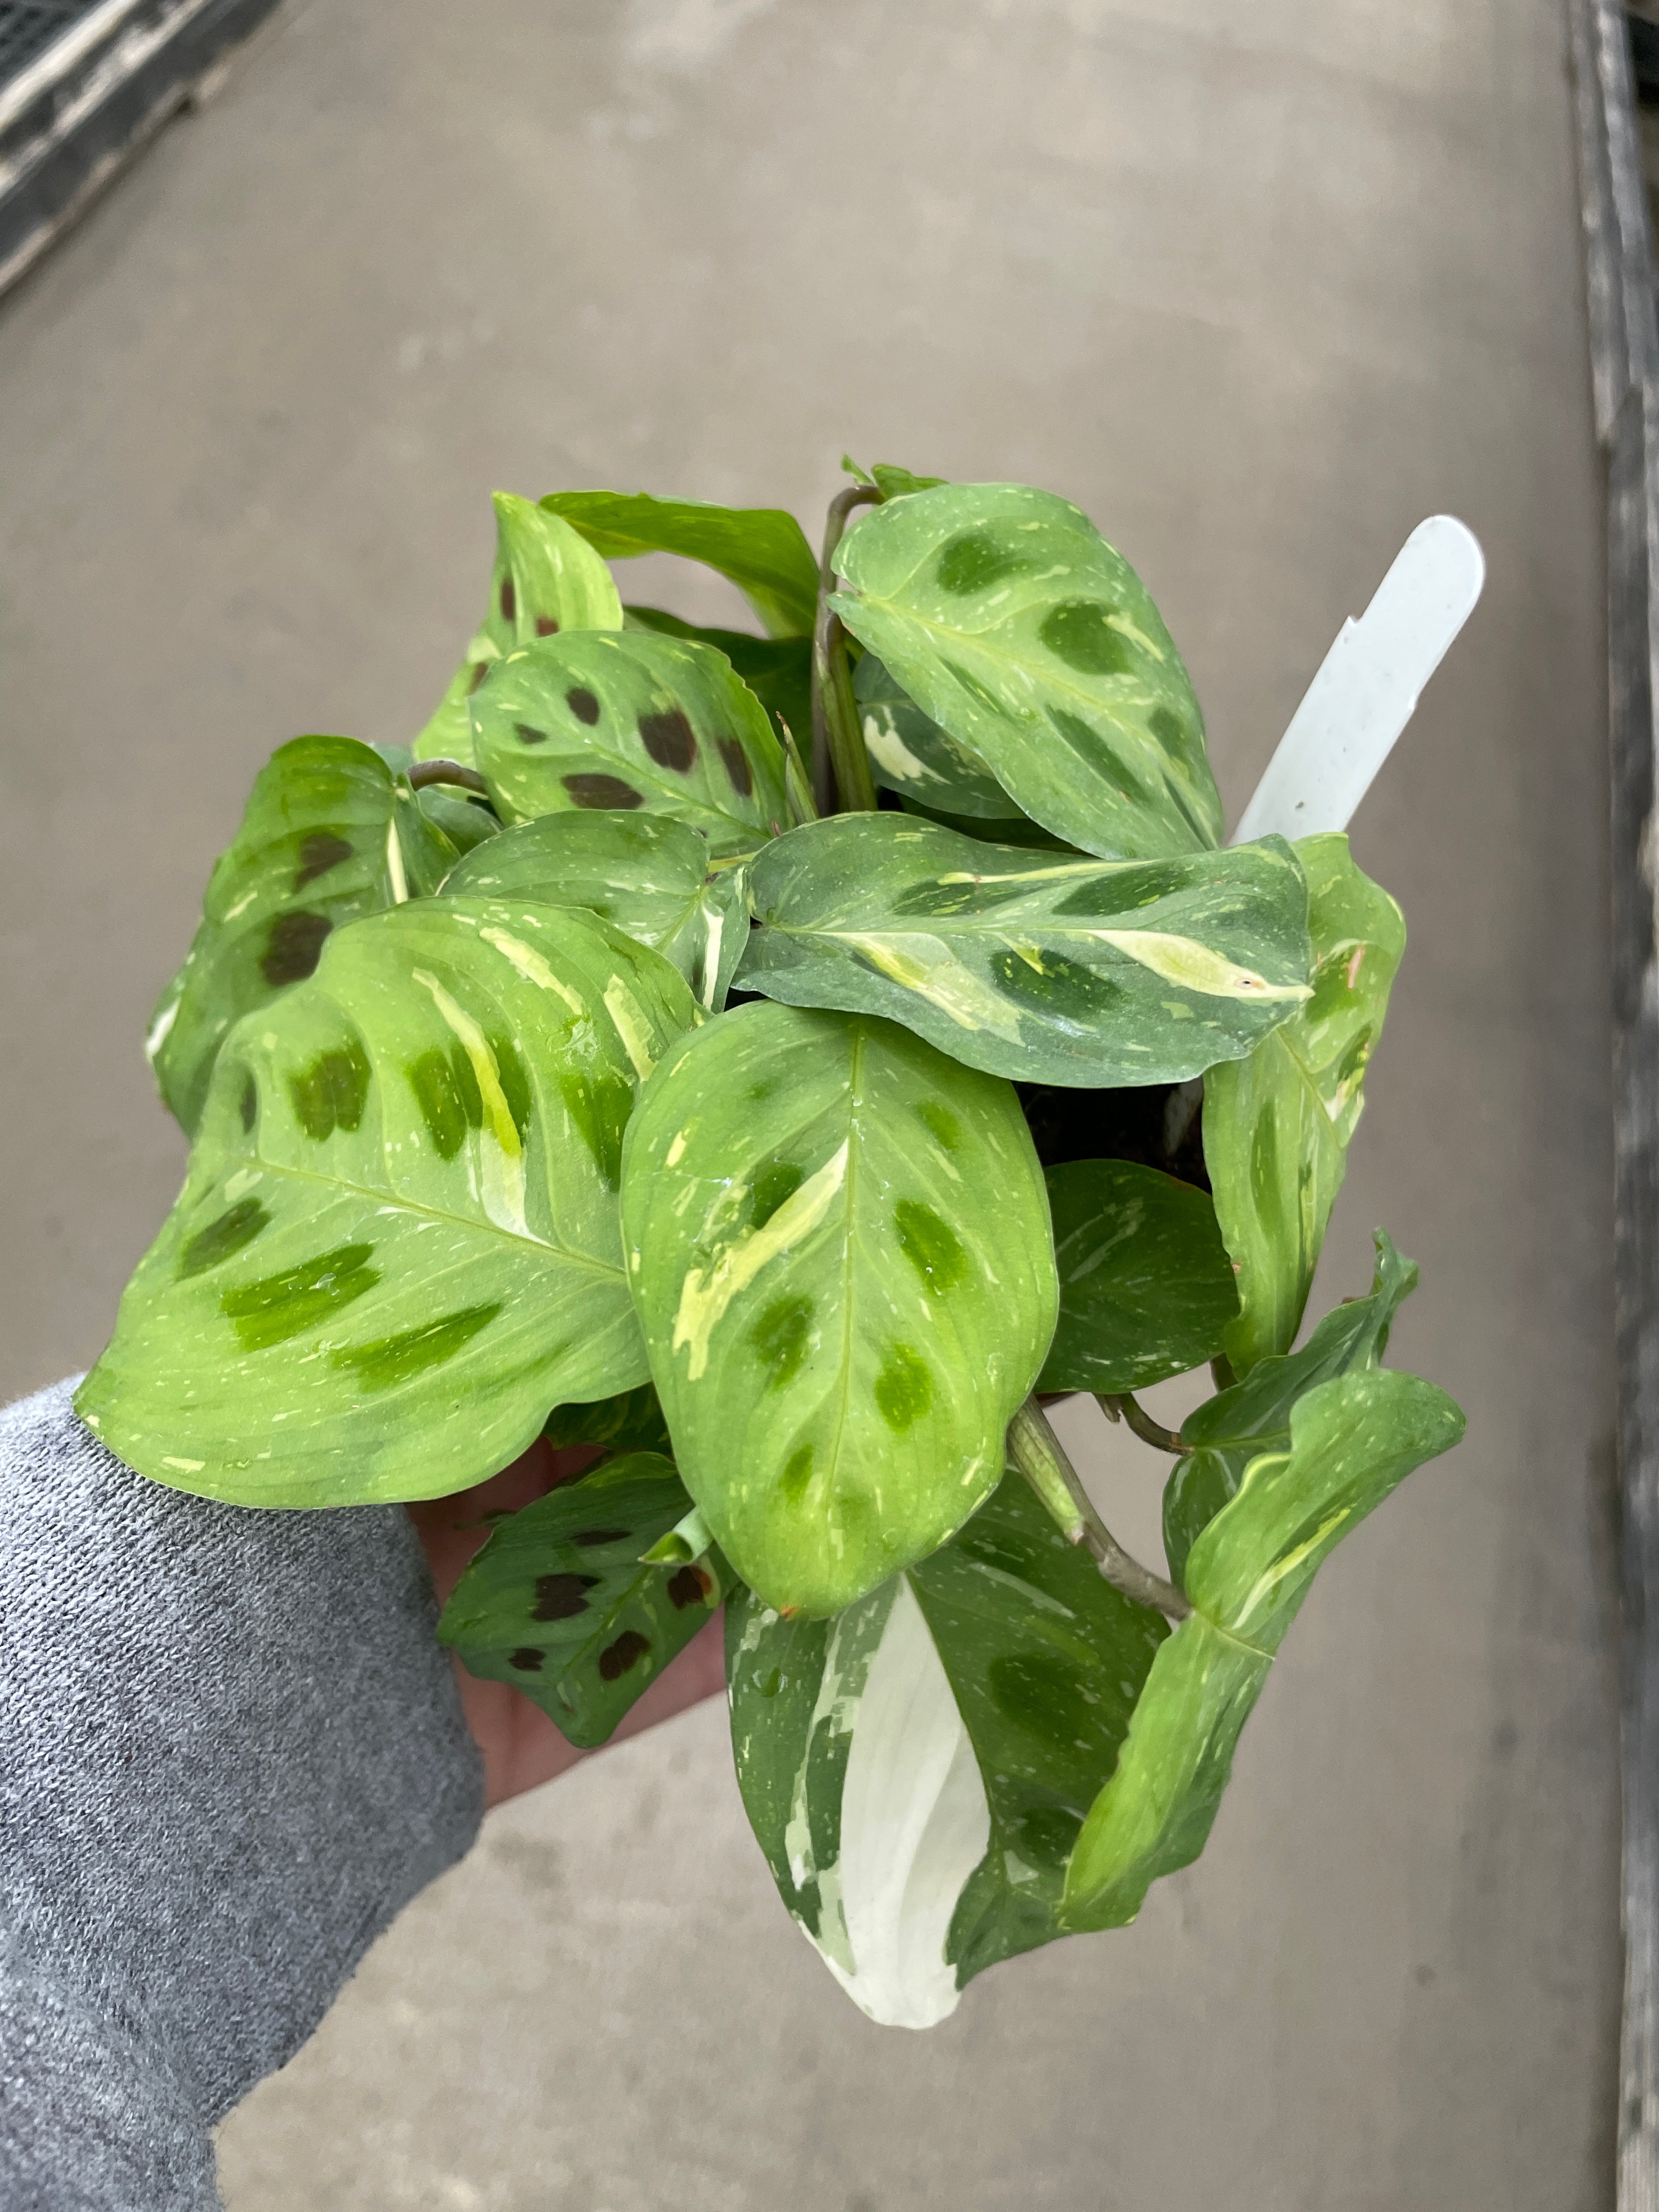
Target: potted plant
[{"x": 783, "y": 1060}]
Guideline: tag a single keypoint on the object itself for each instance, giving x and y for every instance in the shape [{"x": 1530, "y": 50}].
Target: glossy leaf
[
  {"x": 398, "y": 1243},
  {"x": 1018, "y": 830},
  {"x": 917, "y": 1769},
  {"x": 466, "y": 822},
  {"x": 631, "y": 722},
  {"x": 559, "y": 1603},
  {"x": 1012, "y": 624},
  {"x": 1146, "y": 1284},
  {"x": 1277, "y": 1125},
  {"x": 1227, "y": 1432},
  {"x": 777, "y": 669},
  {"x": 760, "y": 548},
  {"x": 910, "y": 754},
  {"x": 631, "y": 1422},
  {"x": 316, "y": 848},
  {"x": 546, "y": 579},
  {"x": 645, "y": 874},
  {"x": 1352, "y": 1440},
  {"x": 1084, "y": 972},
  {"x": 838, "y": 1243}
]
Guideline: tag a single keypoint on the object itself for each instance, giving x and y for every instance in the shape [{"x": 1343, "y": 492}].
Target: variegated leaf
[
  {"x": 466, "y": 822},
  {"x": 321, "y": 841},
  {"x": 1086, "y": 972},
  {"x": 1352, "y": 1440},
  {"x": 547, "y": 577},
  {"x": 910, "y": 754},
  {"x": 1277, "y": 1124},
  {"x": 645, "y": 874},
  {"x": 917, "y": 1770},
  {"x": 627, "y": 722},
  {"x": 397, "y": 1243},
  {"x": 759, "y": 548},
  {"x": 1011, "y": 623},
  {"x": 560, "y": 1603},
  {"x": 838, "y": 1241},
  {"x": 631, "y": 1422},
  {"x": 777, "y": 669},
  {"x": 1146, "y": 1284},
  {"x": 1225, "y": 1433}
]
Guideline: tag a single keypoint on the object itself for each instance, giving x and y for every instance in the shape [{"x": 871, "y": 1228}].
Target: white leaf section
[{"x": 914, "y": 1824}]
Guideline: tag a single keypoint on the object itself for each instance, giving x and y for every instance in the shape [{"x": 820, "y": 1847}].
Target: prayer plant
[{"x": 783, "y": 1060}]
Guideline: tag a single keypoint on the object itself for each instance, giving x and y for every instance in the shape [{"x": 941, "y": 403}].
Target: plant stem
[
  {"x": 1038, "y": 1453},
  {"x": 840, "y": 767},
  {"x": 446, "y": 771},
  {"x": 1121, "y": 1406}
]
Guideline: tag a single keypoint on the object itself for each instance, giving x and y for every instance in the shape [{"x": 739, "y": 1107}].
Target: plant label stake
[{"x": 1368, "y": 686}]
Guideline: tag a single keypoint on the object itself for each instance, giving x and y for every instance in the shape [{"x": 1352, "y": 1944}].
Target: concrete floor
[{"x": 1260, "y": 287}]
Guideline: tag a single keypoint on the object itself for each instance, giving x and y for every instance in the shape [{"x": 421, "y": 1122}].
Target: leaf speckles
[
  {"x": 293, "y": 947},
  {"x": 319, "y": 853},
  {"x": 738, "y": 769},
  {"x": 412, "y": 1351},
  {"x": 330, "y": 1093},
  {"x": 615, "y": 1659},
  {"x": 973, "y": 562},
  {"x": 561, "y": 1597},
  {"x": 692, "y": 1585},
  {"x": 528, "y": 734},
  {"x": 591, "y": 789},
  {"x": 668, "y": 738},
  {"x": 780, "y": 1336},
  {"x": 1079, "y": 632},
  {"x": 527, "y": 1659},
  {"x": 582, "y": 704},
  {"x": 904, "y": 1388},
  {"x": 509, "y": 600},
  {"x": 286, "y": 1304},
  {"x": 931, "y": 1245},
  {"x": 237, "y": 1226},
  {"x": 547, "y": 625}
]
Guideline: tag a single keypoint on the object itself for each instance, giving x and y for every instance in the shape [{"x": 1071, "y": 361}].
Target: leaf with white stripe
[
  {"x": 321, "y": 842},
  {"x": 632, "y": 722},
  {"x": 1277, "y": 1124},
  {"x": 560, "y": 1602},
  {"x": 642, "y": 872},
  {"x": 910, "y": 754},
  {"x": 1012, "y": 624},
  {"x": 917, "y": 1770},
  {"x": 838, "y": 1241},
  {"x": 1088, "y": 972},
  {"x": 397, "y": 1243},
  {"x": 546, "y": 579}
]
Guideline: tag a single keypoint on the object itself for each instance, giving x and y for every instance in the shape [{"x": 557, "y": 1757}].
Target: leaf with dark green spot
[
  {"x": 1014, "y": 830},
  {"x": 1352, "y": 1440},
  {"x": 636, "y": 722},
  {"x": 466, "y": 822},
  {"x": 316, "y": 848},
  {"x": 430, "y": 1133},
  {"x": 759, "y": 548},
  {"x": 547, "y": 579},
  {"x": 911, "y": 755},
  {"x": 838, "y": 1243},
  {"x": 558, "y": 1603},
  {"x": 1086, "y": 972},
  {"x": 1225, "y": 1433},
  {"x": 777, "y": 669},
  {"x": 632, "y": 1421},
  {"x": 1277, "y": 1125},
  {"x": 1146, "y": 1284},
  {"x": 917, "y": 1769},
  {"x": 642, "y": 873},
  {"x": 1011, "y": 623}
]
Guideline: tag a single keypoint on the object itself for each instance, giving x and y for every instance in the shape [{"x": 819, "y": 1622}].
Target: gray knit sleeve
[{"x": 229, "y": 1752}]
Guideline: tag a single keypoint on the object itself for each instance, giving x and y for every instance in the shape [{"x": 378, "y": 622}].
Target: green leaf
[
  {"x": 398, "y": 1243},
  {"x": 316, "y": 848},
  {"x": 910, "y": 754},
  {"x": 631, "y": 1422},
  {"x": 1352, "y": 1441},
  {"x": 1146, "y": 1284},
  {"x": 629, "y": 721},
  {"x": 838, "y": 1243},
  {"x": 642, "y": 873},
  {"x": 1084, "y": 972},
  {"x": 546, "y": 579},
  {"x": 1017, "y": 830},
  {"x": 760, "y": 548},
  {"x": 917, "y": 1770},
  {"x": 1277, "y": 1125},
  {"x": 1010, "y": 622},
  {"x": 466, "y": 822},
  {"x": 1227, "y": 1432},
  {"x": 895, "y": 482},
  {"x": 559, "y": 1603},
  {"x": 777, "y": 669}
]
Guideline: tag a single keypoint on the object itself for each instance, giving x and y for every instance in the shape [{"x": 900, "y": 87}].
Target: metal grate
[{"x": 28, "y": 27}]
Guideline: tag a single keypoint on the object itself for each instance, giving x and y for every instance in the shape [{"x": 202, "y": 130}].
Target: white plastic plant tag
[{"x": 1368, "y": 685}]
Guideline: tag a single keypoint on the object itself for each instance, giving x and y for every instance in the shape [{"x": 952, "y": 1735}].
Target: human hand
[{"x": 521, "y": 1745}]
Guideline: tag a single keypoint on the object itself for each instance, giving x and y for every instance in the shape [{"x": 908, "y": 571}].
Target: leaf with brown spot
[{"x": 564, "y": 1579}]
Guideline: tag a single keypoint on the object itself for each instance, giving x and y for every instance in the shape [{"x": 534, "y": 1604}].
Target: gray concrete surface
[{"x": 1259, "y": 287}]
